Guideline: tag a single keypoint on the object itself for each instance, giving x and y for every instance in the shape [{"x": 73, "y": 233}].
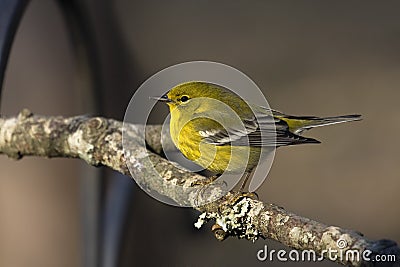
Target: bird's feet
[
  {"x": 205, "y": 181},
  {"x": 236, "y": 196}
]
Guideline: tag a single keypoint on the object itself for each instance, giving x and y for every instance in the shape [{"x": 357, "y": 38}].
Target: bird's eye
[{"x": 184, "y": 98}]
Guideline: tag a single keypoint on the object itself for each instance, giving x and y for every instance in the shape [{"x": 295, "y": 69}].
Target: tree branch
[{"x": 98, "y": 141}]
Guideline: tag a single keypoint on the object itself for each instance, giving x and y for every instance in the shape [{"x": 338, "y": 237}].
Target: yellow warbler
[{"x": 221, "y": 132}]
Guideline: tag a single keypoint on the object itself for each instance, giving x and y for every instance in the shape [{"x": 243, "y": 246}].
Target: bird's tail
[{"x": 298, "y": 124}]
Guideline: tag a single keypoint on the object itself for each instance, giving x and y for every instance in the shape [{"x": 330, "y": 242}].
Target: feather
[{"x": 265, "y": 131}]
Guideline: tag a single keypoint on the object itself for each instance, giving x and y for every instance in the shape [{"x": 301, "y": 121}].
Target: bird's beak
[{"x": 163, "y": 98}]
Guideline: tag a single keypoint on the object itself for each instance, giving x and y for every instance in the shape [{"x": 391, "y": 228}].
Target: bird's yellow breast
[{"x": 218, "y": 159}]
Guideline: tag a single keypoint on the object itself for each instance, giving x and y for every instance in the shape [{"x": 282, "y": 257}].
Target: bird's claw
[
  {"x": 236, "y": 196},
  {"x": 205, "y": 181}
]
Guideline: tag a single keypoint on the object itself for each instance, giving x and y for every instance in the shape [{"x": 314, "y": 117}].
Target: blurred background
[{"x": 309, "y": 58}]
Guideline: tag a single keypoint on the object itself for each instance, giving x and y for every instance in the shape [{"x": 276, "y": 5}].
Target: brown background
[{"x": 310, "y": 58}]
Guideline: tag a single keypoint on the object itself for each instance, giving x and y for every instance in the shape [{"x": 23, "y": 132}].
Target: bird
[{"x": 220, "y": 131}]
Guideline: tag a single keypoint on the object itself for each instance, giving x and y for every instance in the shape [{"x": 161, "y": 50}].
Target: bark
[{"x": 99, "y": 141}]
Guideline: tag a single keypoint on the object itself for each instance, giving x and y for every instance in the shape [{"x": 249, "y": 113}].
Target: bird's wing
[{"x": 261, "y": 130}]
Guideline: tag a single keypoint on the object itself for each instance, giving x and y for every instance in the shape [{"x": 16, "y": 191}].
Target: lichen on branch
[{"x": 98, "y": 141}]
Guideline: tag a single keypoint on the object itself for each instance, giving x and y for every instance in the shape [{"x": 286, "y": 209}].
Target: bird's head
[{"x": 191, "y": 94}]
